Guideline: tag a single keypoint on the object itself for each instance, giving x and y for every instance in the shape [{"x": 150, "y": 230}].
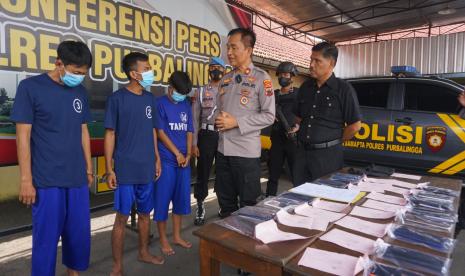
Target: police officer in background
[
  {"x": 328, "y": 113},
  {"x": 246, "y": 103},
  {"x": 205, "y": 139},
  {"x": 283, "y": 143}
]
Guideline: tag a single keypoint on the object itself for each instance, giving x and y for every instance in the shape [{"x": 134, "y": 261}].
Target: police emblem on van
[{"x": 436, "y": 137}]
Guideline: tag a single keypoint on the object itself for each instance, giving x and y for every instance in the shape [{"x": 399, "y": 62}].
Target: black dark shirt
[
  {"x": 325, "y": 111},
  {"x": 286, "y": 102}
]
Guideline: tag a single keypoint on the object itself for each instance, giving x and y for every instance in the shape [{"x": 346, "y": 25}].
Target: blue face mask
[
  {"x": 147, "y": 79},
  {"x": 71, "y": 80},
  {"x": 178, "y": 97}
]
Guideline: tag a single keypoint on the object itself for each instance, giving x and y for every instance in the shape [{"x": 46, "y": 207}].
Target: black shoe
[
  {"x": 223, "y": 214},
  {"x": 200, "y": 214}
]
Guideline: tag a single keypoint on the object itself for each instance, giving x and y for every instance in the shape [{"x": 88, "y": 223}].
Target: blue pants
[
  {"x": 65, "y": 213},
  {"x": 172, "y": 186},
  {"x": 126, "y": 194}
]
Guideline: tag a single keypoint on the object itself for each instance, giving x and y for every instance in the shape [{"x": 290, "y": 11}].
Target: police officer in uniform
[
  {"x": 205, "y": 139},
  {"x": 328, "y": 113},
  {"x": 246, "y": 105},
  {"x": 283, "y": 144}
]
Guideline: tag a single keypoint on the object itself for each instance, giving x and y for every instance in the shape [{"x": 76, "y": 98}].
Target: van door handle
[{"x": 405, "y": 121}]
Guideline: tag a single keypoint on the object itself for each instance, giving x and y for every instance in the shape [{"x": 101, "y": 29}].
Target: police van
[{"x": 409, "y": 122}]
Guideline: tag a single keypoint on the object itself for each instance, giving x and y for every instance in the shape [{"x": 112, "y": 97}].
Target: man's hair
[
  {"x": 327, "y": 49},
  {"x": 181, "y": 82},
  {"x": 248, "y": 36},
  {"x": 75, "y": 53},
  {"x": 130, "y": 62}
]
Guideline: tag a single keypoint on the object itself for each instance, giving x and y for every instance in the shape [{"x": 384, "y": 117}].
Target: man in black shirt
[
  {"x": 327, "y": 113},
  {"x": 283, "y": 147}
]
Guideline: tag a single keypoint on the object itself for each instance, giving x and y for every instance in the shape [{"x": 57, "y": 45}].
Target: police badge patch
[
  {"x": 244, "y": 100},
  {"x": 436, "y": 137},
  {"x": 268, "y": 88}
]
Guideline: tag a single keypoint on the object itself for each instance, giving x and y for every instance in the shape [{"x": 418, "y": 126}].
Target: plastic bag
[
  {"x": 374, "y": 268},
  {"x": 438, "y": 190},
  {"x": 429, "y": 203},
  {"x": 432, "y": 221},
  {"x": 412, "y": 259},
  {"x": 347, "y": 177},
  {"x": 256, "y": 212},
  {"x": 332, "y": 183},
  {"x": 240, "y": 224},
  {"x": 418, "y": 237},
  {"x": 285, "y": 201},
  {"x": 297, "y": 197}
]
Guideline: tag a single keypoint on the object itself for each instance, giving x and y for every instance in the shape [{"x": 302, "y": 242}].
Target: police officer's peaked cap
[
  {"x": 287, "y": 67},
  {"x": 217, "y": 61}
]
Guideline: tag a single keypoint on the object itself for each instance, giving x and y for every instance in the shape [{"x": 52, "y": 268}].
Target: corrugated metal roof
[{"x": 341, "y": 20}]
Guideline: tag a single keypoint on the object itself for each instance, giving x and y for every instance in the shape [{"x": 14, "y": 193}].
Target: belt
[
  {"x": 207, "y": 127},
  {"x": 308, "y": 146}
]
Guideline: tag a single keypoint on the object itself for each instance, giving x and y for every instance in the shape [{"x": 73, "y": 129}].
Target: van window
[
  {"x": 429, "y": 97},
  {"x": 372, "y": 94}
]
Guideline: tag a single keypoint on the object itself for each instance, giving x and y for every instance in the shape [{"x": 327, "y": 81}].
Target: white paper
[
  {"x": 379, "y": 205},
  {"x": 373, "y": 229},
  {"x": 387, "y": 198},
  {"x": 309, "y": 211},
  {"x": 406, "y": 176},
  {"x": 294, "y": 220},
  {"x": 268, "y": 232},
  {"x": 371, "y": 213},
  {"x": 331, "y": 262},
  {"x": 349, "y": 241},
  {"x": 391, "y": 182},
  {"x": 329, "y": 206},
  {"x": 367, "y": 187},
  {"x": 322, "y": 191}
]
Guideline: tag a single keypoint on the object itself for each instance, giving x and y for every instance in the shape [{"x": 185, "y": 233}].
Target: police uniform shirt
[
  {"x": 286, "y": 102},
  {"x": 203, "y": 108},
  {"x": 249, "y": 97},
  {"x": 325, "y": 110}
]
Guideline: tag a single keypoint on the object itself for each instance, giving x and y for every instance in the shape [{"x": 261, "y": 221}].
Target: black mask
[
  {"x": 216, "y": 74},
  {"x": 284, "y": 82}
]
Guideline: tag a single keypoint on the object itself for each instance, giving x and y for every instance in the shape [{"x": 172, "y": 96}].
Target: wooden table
[
  {"x": 221, "y": 245},
  {"x": 292, "y": 267}
]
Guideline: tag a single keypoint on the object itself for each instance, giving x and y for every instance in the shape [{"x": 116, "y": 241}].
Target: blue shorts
[
  {"x": 172, "y": 186},
  {"x": 127, "y": 194},
  {"x": 65, "y": 213}
]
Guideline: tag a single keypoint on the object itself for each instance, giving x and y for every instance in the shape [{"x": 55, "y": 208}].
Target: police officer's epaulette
[
  {"x": 227, "y": 79},
  {"x": 260, "y": 70}
]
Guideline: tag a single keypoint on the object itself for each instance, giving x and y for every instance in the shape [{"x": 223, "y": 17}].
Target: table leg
[{"x": 209, "y": 266}]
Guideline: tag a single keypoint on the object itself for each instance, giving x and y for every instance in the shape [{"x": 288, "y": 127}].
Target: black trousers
[
  {"x": 313, "y": 164},
  {"x": 208, "y": 144},
  {"x": 237, "y": 182},
  {"x": 282, "y": 149}
]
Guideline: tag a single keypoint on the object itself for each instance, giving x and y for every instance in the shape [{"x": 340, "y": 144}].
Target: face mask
[
  {"x": 71, "y": 80},
  {"x": 216, "y": 75},
  {"x": 178, "y": 97},
  {"x": 284, "y": 82},
  {"x": 147, "y": 79}
]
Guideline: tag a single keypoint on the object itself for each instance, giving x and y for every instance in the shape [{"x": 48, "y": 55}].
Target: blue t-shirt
[
  {"x": 56, "y": 113},
  {"x": 131, "y": 116},
  {"x": 175, "y": 119}
]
